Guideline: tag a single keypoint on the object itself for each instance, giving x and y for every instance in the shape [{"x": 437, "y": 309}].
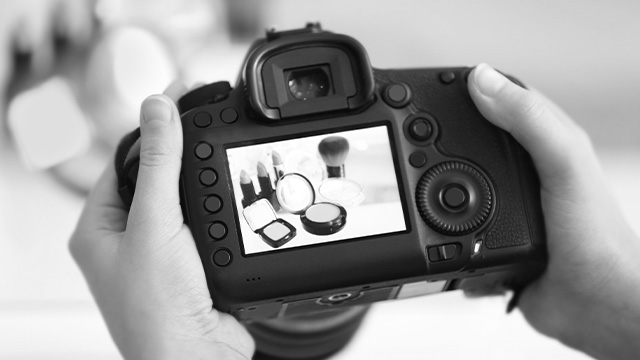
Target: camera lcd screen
[{"x": 316, "y": 189}]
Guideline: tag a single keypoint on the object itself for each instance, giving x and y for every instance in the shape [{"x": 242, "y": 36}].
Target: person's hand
[
  {"x": 589, "y": 296},
  {"x": 143, "y": 267}
]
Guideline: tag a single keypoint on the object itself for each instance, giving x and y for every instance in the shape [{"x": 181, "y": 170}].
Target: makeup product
[
  {"x": 336, "y": 188},
  {"x": 306, "y": 163},
  {"x": 342, "y": 191},
  {"x": 262, "y": 220},
  {"x": 334, "y": 151},
  {"x": 297, "y": 196},
  {"x": 266, "y": 189},
  {"x": 248, "y": 191},
  {"x": 278, "y": 165}
]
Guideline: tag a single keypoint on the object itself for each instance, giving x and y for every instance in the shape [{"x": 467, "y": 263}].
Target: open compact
[
  {"x": 297, "y": 196},
  {"x": 342, "y": 191},
  {"x": 263, "y": 221}
]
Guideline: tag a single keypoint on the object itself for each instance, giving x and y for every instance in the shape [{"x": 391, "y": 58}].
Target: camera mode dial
[{"x": 454, "y": 198}]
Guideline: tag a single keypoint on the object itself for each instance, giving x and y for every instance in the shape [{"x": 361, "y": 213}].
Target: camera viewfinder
[{"x": 309, "y": 83}]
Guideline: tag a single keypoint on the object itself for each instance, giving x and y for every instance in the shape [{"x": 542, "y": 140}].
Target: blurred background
[{"x": 73, "y": 73}]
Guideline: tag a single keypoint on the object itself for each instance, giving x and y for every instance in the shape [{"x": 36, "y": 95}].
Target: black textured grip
[{"x": 127, "y": 166}]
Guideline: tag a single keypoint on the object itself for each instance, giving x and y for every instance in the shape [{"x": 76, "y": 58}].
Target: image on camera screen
[{"x": 316, "y": 189}]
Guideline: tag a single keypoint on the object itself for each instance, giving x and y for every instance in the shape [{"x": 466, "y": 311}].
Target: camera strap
[{"x": 127, "y": 157}]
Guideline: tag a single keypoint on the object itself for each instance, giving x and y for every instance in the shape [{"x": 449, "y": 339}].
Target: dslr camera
[{"x": 319, "y": 182}]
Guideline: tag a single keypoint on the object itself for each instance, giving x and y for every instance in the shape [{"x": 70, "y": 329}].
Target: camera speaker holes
[{"x": 254, "y": 279}]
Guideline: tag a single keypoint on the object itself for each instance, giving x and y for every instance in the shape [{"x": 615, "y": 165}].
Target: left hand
[{"x": 143, "y": 267}]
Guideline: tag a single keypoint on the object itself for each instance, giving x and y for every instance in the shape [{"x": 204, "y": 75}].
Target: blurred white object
[
  {"x": 127, "y": 65},
  {"x": 48, "y": 125},
  {"x": 185, "y": 25}
]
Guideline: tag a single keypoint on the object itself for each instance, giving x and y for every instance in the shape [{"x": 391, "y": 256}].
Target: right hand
[{"x": 589, "y": 296}]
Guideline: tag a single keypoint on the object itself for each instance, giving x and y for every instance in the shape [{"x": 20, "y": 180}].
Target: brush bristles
[{"x": 334, "y": 150}]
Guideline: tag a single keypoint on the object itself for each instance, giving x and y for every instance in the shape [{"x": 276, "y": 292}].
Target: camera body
[{"x": 319, "y": 182}]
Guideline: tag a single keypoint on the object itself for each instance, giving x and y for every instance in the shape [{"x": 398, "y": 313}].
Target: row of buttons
[
  {"x": 203, "y": 119},
  {"x": 419, "y": 129},
  {"x": 212, "y": 203}
]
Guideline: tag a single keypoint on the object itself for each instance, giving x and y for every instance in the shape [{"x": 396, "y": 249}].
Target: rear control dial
[{"x": 454, "y": 198}]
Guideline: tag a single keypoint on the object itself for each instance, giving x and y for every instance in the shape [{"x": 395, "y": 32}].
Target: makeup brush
[
  {"x": 266, "y": 189},
  {"x": 334, "y": 151},
  {"x": 248, "y": 191},
  {"x": 278, "y": 165}
]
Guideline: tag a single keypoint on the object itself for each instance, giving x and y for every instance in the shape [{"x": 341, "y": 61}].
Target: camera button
[
  {"x": 447, "y": 252},
  {"x": 202, "y": 119},
  {"x": 217, "y": 231},
  {"x": 222, "y": 257},
  {"x": 397, "y": 95},
  {"x": 442, "y": 252},
  {"x": 208, "y": 177},
  {"x": 420, "y": 129},
  {"x": 447, "y": 77},
  {"x": 454, "y": 197},
  {"x": 213, "y": 204},
  {"x": 203, "y": 151},
  {"x": 418, "y": 159},
  {"x": 229, "y": 115}
]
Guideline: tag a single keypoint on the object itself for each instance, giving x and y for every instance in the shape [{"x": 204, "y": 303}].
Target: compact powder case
[
  {"x": 296, "y": 195},
  {"x": 263, "y": 221},
  {"x": 342, "y": 191}
]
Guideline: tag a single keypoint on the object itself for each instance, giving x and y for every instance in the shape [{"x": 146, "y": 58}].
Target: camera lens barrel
[{"x": 305, "y": 337}]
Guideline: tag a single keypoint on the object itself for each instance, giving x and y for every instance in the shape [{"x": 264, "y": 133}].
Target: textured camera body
[{"x": 468, "y": 210}]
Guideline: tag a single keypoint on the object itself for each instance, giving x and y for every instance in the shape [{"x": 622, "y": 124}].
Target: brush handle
[{"x": 335, "y": 171}]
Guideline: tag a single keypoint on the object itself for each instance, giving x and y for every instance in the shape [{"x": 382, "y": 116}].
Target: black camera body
[{"x": 319, "y": 182}]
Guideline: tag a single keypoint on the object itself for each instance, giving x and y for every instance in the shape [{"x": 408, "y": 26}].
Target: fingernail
[
  {"x": 156, "y": 108},
  {"x": 488, "y": 81}
]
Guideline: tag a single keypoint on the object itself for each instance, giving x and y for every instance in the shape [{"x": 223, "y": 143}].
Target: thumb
[
  {"x": 156, "y": 202},
  {"x": 554, "y": 141}
]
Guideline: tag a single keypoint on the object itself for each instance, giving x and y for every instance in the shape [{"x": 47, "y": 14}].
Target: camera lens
[{"x": 309, "y": 83}]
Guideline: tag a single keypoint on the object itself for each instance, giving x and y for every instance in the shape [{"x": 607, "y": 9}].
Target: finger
[
  {"x": 104, "y": 211},
  {"x": 557, "y": 145},
  {"x": 175, "y": 90},
  {"x": 156, "y": 203},
  {"x": 104, "y": 217}
]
